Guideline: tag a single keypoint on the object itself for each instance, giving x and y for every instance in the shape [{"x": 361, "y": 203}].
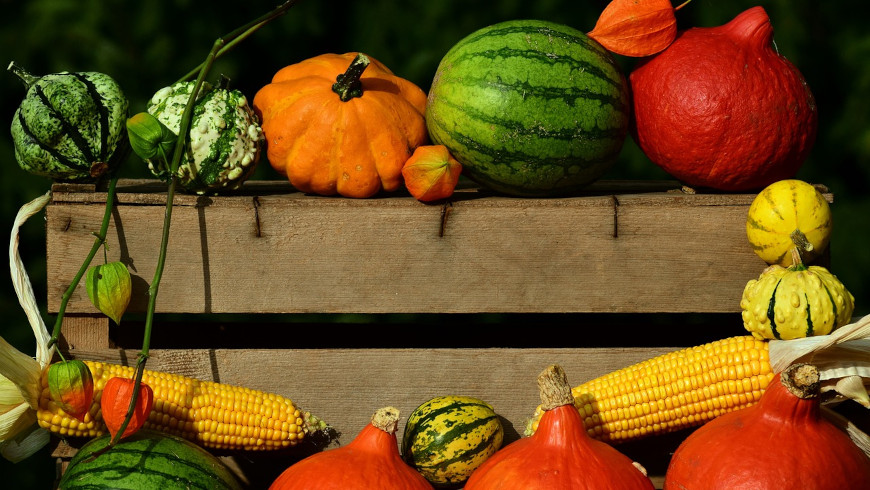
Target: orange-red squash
[
  {"x": 341, "y": 124},
  {"x": 370, "y": 461},
  {"x": 781, "y": 442},
  {"x": 559, "y": 455}
]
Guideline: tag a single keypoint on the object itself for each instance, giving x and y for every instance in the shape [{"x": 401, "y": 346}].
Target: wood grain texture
[{"x": 619, "y": 247}]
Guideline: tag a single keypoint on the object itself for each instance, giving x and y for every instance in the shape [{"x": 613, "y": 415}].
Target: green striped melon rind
[
  {"x": 448, "y": 437},
  {"x": 147, "y": 460},
  {"x": 530, "y": 107},
  {"x": 69, "y": 126}
]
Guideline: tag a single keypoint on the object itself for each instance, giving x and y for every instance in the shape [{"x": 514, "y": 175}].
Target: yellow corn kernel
[
  {"x": 672, "y": 391},
  {"x": 201, "y": 411}
]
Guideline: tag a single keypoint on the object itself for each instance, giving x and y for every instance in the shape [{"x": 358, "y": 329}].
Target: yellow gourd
[
  {"x": 794, "y": 302},
  {"x": 788, "y": 214}
]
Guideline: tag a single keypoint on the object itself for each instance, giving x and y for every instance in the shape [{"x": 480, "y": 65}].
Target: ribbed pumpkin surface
[
  {"x": 529, "y": 107},
  {"x": 448, "y": 437}
]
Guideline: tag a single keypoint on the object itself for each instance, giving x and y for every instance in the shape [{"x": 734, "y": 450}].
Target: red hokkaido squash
[
  {"x": 781, "y": 442},
  {"x": 721, "y": 108},
  {"x": 560, "y": 454},
  {"x": 369, "y": 461},
  {"x": 341, "y": 124}
]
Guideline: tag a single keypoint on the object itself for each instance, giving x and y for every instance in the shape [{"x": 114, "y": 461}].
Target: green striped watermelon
[
  {"x": 448, "y": 437},
  {"x": 530, "y": 108},
  {"x": 147, "y": 460}
]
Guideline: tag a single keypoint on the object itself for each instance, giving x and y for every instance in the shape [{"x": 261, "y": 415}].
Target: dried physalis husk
[
  {"x": 636, "y": 27},
  {"x": 109, "y": 288}
]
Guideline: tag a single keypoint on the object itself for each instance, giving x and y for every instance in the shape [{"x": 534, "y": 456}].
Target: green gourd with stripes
[
  {"x": 448, "y": 437},
  {"x": 530, "y": 108},
  {"x": 70, "y": 127}
]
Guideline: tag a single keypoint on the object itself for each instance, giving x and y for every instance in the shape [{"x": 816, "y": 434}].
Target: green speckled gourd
[
  {"x": 224, "y": 141},
  {"x": 70, "y": 126},
  {"x": 448, "y": 437},
  {"x": 795, "y": 302}
]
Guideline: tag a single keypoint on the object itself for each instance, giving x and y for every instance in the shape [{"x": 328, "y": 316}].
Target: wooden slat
[{"x": 620, "y": 247}]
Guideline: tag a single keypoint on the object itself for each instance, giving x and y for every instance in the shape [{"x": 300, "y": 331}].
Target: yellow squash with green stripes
[
  {"x": 787, "y": 214},
  {"x": 795, "y": 302},
  {"x": 448, "y": 437}
]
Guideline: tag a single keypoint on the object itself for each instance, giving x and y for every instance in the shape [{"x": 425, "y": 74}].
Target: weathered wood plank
[{"x": 616, "y": 248}]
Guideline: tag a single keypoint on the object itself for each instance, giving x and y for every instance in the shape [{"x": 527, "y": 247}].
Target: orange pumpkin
[
  {"x": 370, "y": 461},
  {"x": 341, "y": 124}
]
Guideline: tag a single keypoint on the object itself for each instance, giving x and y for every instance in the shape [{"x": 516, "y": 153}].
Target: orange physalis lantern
[
  {"x": 431, "y": 173},
  {"x": 636, "y": 27},
  {"x": 116, "y": 401}
]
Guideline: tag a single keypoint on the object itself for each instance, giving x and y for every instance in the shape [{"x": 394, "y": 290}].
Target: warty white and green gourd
[{"x": 225, "y": 138}]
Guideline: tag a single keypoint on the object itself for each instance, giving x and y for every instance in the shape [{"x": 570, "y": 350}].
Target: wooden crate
[{"x": 475, "y": 296}]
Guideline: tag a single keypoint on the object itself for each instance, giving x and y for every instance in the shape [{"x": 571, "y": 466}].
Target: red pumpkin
[
  {"x": 115, "y": 402},
  {"x": 341, "y": 124},
  {"x": 560, "y": 454},
  {"x": 370, "y": 461},
  {"x": 781, "y": 442},
  {"x": 720, "y": 108}
]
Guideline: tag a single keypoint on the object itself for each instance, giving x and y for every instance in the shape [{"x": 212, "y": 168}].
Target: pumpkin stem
[
  {"x": 386, "y": 419},
  {"x": 802, "y": 380},
  {"x": 22, "y": 74},
  {"x": 554, "y": 388},
  {"x": 800, "y": 241},
  {"x": 348, "y": 84},
  {"x": 797, "y": 261}
]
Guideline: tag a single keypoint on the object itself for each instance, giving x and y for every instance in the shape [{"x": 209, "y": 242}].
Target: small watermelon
[
  {"x": 448, "y": 437},
  {"x": 147, "y": 460},
  {"x": 530, "y": 108}
]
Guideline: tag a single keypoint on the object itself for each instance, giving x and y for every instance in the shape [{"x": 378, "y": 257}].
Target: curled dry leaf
[
  {"x": 431, "y": 173},
  {"x": 636, "y": 27}
]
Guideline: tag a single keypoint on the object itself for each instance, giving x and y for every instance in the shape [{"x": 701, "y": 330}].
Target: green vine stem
[
  {"x": 98, "y": 242},
  {"x": 220, "y": 47}
]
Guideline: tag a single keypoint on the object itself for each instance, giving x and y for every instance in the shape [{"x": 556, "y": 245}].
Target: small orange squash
[
  {"x": 370, "y": 461},
  {"x": 341, "y": 124}
]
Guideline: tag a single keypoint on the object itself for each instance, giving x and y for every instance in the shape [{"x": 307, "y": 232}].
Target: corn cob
[
  {"x": 211, "y": 414},
  {"x": 677, "y": 390}
]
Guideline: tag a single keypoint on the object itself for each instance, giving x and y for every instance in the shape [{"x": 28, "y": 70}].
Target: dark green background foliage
[{"x": 148, "y": 45}]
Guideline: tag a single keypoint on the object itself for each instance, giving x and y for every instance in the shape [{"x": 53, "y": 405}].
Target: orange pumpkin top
[{"x": 341, "y": 124}]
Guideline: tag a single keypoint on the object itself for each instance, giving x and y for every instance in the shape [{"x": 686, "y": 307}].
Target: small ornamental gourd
[
  {"x": 70, "y": 125},
  {"x": 799, "y": 301},
  {"x": 341, "y": 124},
  {"x": 224, "y": 141},
  {"x": 787, "y": 214},
  {"x": 560, "y": 454},
  {"x": 781, "y": 442},
  {"x": 369, "y": 461},
  {"x": 448, "y": 437}
]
